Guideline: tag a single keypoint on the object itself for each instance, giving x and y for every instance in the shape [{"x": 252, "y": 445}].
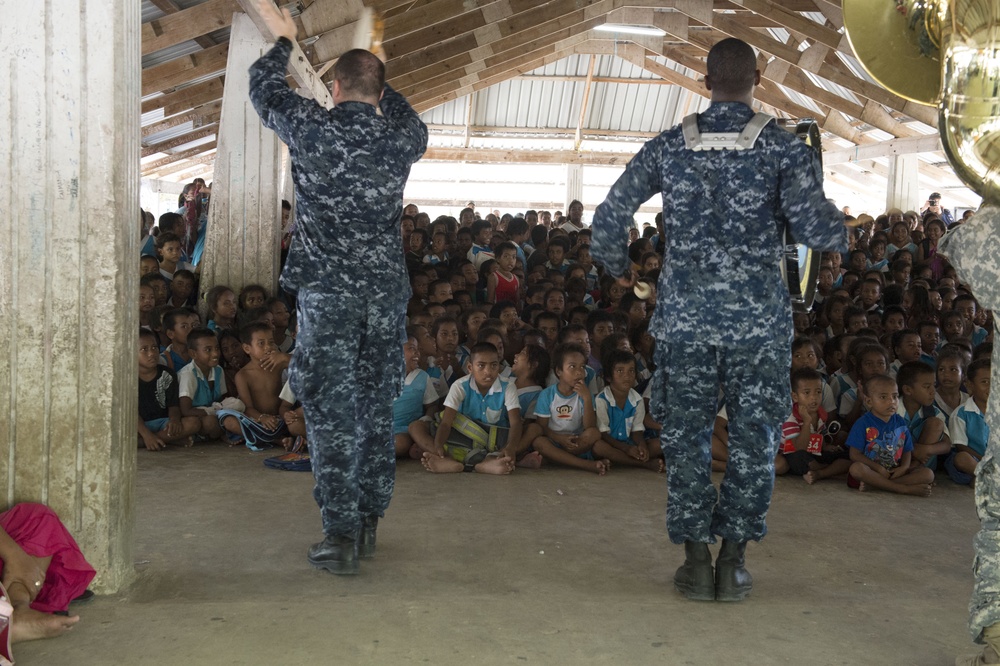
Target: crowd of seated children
[{"x": 532, "y": 294}]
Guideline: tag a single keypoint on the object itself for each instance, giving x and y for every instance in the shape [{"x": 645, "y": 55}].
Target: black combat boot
[
  {"x": 732, "y": 581},
  {"x": 694, "y": 578},
  {"x": 336, "y": 554},
  {"x": 366, "y": 537}
]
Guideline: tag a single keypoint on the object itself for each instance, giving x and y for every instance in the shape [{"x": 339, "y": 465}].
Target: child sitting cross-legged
[
  {"x": 620, "y": 415},
  {"x": 418, "y": 398},
  {"x": 969, "y": 430},
  {"x": 160, "y": 419},
  {"x": 926, "y": 422},
  {"x": 201, "y": 382},
  {"x": 881, "y": 446},
  {"x": 259, "y": 389},
  {"x": 805, "y": 450},
  {"x": 565, "y": 412},
  {"x": 481, "y": 423}
]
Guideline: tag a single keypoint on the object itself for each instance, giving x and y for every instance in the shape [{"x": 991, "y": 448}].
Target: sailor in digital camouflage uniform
[
  {"x": 973, "y": 248},
  {"x": 349, "y": 166},
  {"x": 722, "y": 314}
]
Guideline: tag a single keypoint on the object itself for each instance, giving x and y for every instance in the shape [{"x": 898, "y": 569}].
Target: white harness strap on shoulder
[{"x": 742, "y": 140}]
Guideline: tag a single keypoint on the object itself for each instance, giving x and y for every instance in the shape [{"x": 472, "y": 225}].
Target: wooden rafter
[
  {"x": 187, "y": 24},
  {"x": 179, "y": 71},
  {"x": 152, "y": 167},
  {"x": 164, "y": 146},
  {"x": 497, "y": 156},
  {"x": 186, "y": 98},
  {"x": 171, "y": 7},
  {"x": 201, "y": 116}
]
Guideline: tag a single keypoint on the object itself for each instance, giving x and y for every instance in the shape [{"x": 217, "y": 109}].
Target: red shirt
[{"x": 793, "y": 426}]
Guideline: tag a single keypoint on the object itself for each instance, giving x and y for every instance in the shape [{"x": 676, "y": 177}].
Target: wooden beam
[
  {"x": 186, "y": 98},
  {"x": 465, "y": 55},
  {"x": 185, "y": 165},
  {"x": 171, "y": 7},
  {"x": 187, "y": 24},
  {"x": 578, "y": 138},
  {"x": 794, "y": 22},
  {"x": 430, "y": 14},
  {"x": 206, "y": 114},
  {"x": 164, "y": 146},
  {"x": 838, "y": 74},
  {"x": 923, "y": 144},
  {"x": 298, "y": 64},
  {"x": 496, "y": 156},
  {"x": 468, "y": 119},
  {"x": 181, "y": 70},
  {"x": 151, "y": 167}
]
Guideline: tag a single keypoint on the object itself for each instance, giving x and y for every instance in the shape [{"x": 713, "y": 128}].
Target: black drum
[{"x": 800, "y": 266}]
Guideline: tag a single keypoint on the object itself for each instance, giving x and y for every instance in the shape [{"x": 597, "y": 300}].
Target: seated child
[
  {"x": 470, "y": 321},
  {"x": 283, "y": 337},
  {"x": 804, "y": 451},
  {"x": 258, "y": 389},
  {"x": 201, "y": 383},
  {"x": 496, "y": 337},
  {"x": 418, "y": 398},
  {"x": 905, "y": 347},
  {"x": 950, "y": 372},
  {"x": 160, "y": 419},
  {"x": 880, "y": 445},
  {"x": 620, "y": 414},
  {"x": 565, "y": 412},
  {"x": 576, "y": 334},
  {"x": 548, "y": 323},
  {"x": 148, "y": 264},
  {"x": 530, "y": 369},
  {"x": 147, "y": 301},
  {"x": 221, "y": 308},
  {"x": 866, "y": 359},
  {"x": 927, "y": 424},
  {"x": 443, "y": 366},
  {"x": 158, "y": 284},
  {"x": 177, "y": 326},
  {"x": 182, "y": 289},
  {"x": 480, "y": 426},
  {"x": 969, "y": 430},
  {"x": 805, "y": 354}
]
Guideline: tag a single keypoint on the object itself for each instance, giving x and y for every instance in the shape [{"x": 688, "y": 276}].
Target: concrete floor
[{"x": 546, "y": 567}]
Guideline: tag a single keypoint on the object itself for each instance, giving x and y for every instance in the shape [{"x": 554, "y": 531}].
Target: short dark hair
[
  {"x": 441, "y": 321},
  {"x": 805, "y": 375},
  {"x": 146, "y": 333},
  {"x": 359, "y": 71},
  {"x": 166, "y": 237},
  {"x": 570, "y": 329},
  {"x": 908, "y": 373},
  {"x": 517, "y": 226},
  {"x": 613, "y": 358},
  {"x": 506, "y": 246},
  {"x": 185, "y": 273},
  {"x": 246, "y": 333},
  {"x": 483, "y": 348},
  {"x": 539, "y": 357},
  {"x": 879, "y": 380},
  {"x": 499, "y": 307},
  {"x": 148, "y": 279},
  {"x": 731, "y": 66},
  {"x": 171, "y": 316},
  {"x": 198, "y": 334},
  {"x": 598, "y": 317},
  {"x": 478, "y": 226},
  {"x": 976, "y": 366},
  {"x": 559, "y": 241},
  {"x": 560, "y": 353},
  {"x": 168, "y": 222}
]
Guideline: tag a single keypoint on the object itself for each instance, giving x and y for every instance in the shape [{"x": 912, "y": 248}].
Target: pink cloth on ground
[{"x": 39, "y": 532}]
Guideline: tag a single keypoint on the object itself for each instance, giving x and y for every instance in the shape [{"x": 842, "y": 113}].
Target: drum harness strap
[{"x": 742, "y": 140}]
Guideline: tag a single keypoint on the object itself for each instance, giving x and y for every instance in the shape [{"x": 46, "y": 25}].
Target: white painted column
[
  {"x": 574, "y": 184},
  {"x": 244, "y": 222},
  {"x": 69, "y": 164},
  {"x": 902, "y": 190}
]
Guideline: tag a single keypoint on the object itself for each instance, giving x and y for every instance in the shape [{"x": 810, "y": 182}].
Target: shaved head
[
  {"x": 732, "y": 66},
  {"x": 360, "y": 73}
]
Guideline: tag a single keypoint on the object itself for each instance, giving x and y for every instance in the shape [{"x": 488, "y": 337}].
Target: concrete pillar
[
  {"x": 244, "y": 219},
  {"x": 574, "y": 184},
  {"x": 902, "y": 191},
  {"x": 69, "y": 161}
]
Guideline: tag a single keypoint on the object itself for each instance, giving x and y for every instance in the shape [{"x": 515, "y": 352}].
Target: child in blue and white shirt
[
  {"x": 620, "y": 415},
  {"x": 418, "y": 398},
  {"x": 969, "y": 430}
]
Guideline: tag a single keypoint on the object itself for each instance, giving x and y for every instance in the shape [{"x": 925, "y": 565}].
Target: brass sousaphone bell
[{"x": 943, "y": 53}]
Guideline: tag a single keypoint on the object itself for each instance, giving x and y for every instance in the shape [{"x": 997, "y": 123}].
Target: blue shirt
[
  {"x": 619, "y": 422},
  {"x": 969, "y": 427},
  {"x": 492, "y": 409},
  {"x": 418, "y": 390},
  {"x": 883, "y": 442},
  {"x": 526, "y": 397}
]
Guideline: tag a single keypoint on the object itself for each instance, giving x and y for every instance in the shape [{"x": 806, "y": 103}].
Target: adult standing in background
[
  {"x": 722, "y": 313},
  {"x": 349, "y": 168}
]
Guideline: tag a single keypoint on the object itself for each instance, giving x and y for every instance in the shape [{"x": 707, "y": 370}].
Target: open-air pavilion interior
[{"x": 113, "y": 104}]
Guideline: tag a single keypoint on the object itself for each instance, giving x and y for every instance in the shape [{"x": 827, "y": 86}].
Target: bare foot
[
  {"x": 439, "y": 465},
  {"x": 531, "y": 460},
  {"x": 918, "y": 490},
  {"x": 810, "y": 477},
  {"x": 415, "y": 452},
  {"x": 188, "y": 442},
  {"x": 494, "y": 465},
  {"x": 862, "y": 487},
  {"x": 602, "y": 466},
  {"x": 28, "y": 625},
  {"x": 287, "y": 443}
]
